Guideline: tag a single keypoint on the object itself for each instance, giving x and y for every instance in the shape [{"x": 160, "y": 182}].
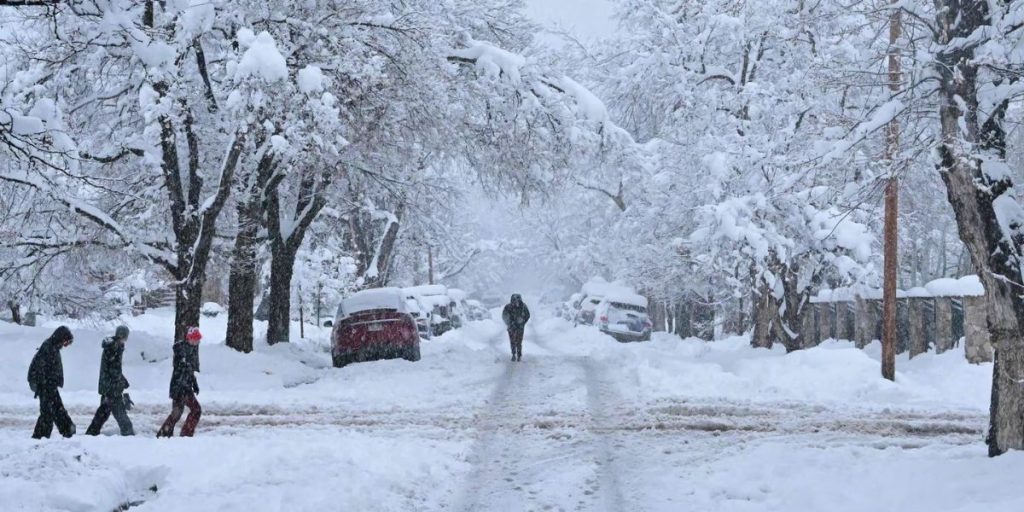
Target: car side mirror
[{"x": 329, "y": 323}]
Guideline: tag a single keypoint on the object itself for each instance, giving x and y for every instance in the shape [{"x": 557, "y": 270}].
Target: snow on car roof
[
  {"x": 377, "y": 298},
  {"x": 435, "y": 300},
  {"x": 413, "y": 304},
  {"x": 615, "y": 291},
  {"x": 427, "y": 289},
  {"x": 627, "y": 298},
  {"x": 457, "y": 294}
]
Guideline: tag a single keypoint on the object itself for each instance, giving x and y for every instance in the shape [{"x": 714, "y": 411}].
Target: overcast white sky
[{"x": 586, "y": 19}]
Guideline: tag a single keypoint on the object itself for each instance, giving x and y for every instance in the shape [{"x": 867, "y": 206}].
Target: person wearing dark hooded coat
[
  {"x": 184, "y": 386},
  {"x": 112, "y": 385},
  {"x": 515, "y": 316},
  {"x": 45, "y": 378}
]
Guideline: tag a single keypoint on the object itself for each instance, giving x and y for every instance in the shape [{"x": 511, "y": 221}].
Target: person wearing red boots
[{"x": 184, "y": 386}]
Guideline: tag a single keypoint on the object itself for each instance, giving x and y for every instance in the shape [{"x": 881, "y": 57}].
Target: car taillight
[{"x": 604, "y": 319}]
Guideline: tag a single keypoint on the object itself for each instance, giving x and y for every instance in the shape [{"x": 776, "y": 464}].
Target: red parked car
[{"x": 374, "y": 324}]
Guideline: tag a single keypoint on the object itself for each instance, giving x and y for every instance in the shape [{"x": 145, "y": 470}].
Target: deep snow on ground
[{"x": 583, "y": 423}]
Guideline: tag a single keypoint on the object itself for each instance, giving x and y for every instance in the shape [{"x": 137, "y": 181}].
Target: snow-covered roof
[
  {"x": 967, "y": 286},
  {"x": 376, "y": 298}
]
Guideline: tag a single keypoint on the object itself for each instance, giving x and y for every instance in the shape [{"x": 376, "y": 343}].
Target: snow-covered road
[
  {"x": 583, "y": 423},
  {"x": 541, "y": 441}
]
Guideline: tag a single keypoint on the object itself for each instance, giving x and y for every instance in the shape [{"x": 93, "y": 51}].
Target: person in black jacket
[
  {"x": 184, "y": 386},
  {"x": 45, "y": 377},
  {"x": 515, "y": 315},
  {"x": 112, "y": 386}
]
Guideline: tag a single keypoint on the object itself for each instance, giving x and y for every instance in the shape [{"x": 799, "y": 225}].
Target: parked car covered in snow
[
  {"x": 374, "y": 324},
  {"x": 459, "y": 309},
  {"x": 570, "y": 308},
  {"x": 477, "y": 311},
  {"x": 585, "y": 309},
  {"x": 623, "y": 316},
  {"x": 421, "y": 313},
  {"x": 211, "y": 310},
  {"x": 435, "y": 298}
]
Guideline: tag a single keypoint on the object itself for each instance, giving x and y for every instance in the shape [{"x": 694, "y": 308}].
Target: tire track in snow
[
  {"x": 526, "y": 457},
  {"x": 600, "y": 394}
]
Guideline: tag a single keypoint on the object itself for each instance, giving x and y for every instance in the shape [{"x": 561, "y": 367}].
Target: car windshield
[{"x": 628, "y": 307}]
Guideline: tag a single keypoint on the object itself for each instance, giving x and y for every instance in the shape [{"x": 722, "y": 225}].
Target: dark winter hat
[
  {"x": 121, "y": 332},
  {"x": 516, "y": 297},
  {"x": 62, "y": 334}
]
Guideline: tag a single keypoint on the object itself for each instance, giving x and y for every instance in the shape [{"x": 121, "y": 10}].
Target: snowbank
[
  {"x": 834, "y": 475},
  {"x": 834, "y": 373},
  {"x": 313, "y": 468}
]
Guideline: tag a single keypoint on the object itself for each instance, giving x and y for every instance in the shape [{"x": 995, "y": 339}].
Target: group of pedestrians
[{"x": 46, "y": 377}]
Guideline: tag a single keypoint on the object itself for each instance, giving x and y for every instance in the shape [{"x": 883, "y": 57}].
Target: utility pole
[
  {"x": 302, "y": 319},
  {"x": 319, "y": 300},
  {"x": 890, "y": 264},
  {"x": 430, "y": 265}
]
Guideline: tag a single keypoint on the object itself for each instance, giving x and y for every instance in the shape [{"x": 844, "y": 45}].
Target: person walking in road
[
  {"x": 515, "y": 315},
  {"x": 45, "y": 378},
  {"x": 113, "y": 399},
  {"x": 184, "y": 386}
]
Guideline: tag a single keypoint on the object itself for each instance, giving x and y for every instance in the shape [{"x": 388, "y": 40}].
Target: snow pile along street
[{"x": 583, "y": 423}]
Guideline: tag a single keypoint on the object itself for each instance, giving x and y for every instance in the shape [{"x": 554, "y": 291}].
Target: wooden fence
[{"x": 923, "y": 324}]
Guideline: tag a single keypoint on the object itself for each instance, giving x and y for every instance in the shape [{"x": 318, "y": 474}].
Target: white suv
[{"x": 624, "y": 318}]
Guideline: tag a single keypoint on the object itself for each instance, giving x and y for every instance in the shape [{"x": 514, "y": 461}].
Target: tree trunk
[
  {"x": 242, "y": 283},
  {"x": 765, "y": 312},
  {"x": 974, "y": 194},
  {"x": 379, "y": 275},
  {"x": 15, "y": 311},
  {"x": 188, "y": 300},
  {"x": 796, "y": 302},
  {"x": 311, "y": 193},
  {"x": 244, "y": 275},
  {"x": 282, "y": 264}
]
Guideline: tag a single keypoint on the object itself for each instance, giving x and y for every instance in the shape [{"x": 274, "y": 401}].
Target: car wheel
[
  {"x": 412, "y": 354},
  {"x": 341, "y": 361}
]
